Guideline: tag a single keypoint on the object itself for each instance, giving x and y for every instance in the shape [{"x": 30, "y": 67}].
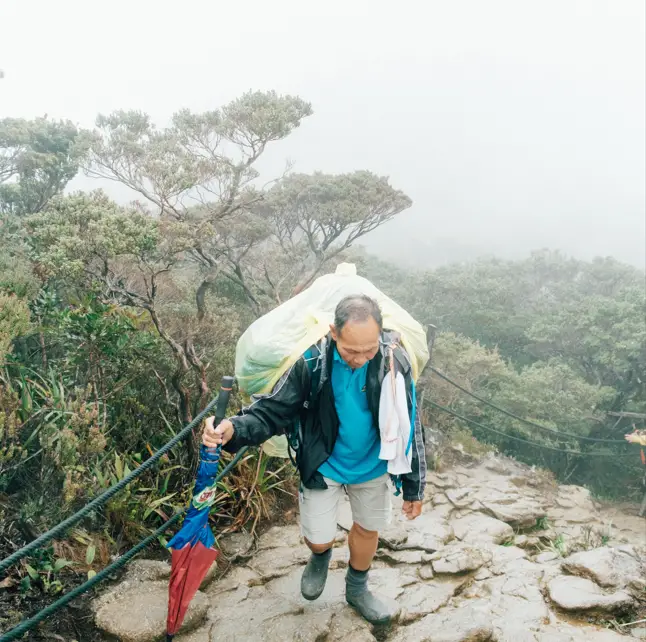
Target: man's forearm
[{"x": 248, "y": 430}]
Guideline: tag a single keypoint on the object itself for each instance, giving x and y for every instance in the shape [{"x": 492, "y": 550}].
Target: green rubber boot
[
  {"x": 315, "y": 575},
  {"x": 372, "y": 608}
]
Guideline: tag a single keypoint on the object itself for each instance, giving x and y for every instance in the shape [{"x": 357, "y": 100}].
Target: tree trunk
[
  {"x": 200, "y": 295},
  {"x": 200, "y": 375},
  {"x": 182, "y": 368},
  {"x": 43, "y": 350}
]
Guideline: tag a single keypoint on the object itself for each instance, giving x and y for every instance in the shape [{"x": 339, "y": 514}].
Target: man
[{"x": 332, "y": 396}]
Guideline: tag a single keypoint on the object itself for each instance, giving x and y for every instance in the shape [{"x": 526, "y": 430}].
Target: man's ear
[{"x": 333, "y": 332}]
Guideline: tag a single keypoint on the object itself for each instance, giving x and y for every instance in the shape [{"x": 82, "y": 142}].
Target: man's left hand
[{"x": 412, "y": 510}]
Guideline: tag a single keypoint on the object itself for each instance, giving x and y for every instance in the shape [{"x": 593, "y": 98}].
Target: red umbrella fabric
[{"x": 189, "y": 566}]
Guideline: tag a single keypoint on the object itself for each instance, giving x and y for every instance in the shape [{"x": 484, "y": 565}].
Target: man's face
[{"x": 357, "y": 342}]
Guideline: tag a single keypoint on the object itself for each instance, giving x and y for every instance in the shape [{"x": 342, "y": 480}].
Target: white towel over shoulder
[{"x": 394, "y": 425}]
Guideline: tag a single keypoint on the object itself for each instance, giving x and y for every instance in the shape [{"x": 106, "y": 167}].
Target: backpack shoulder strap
[
  {"x": 312, "y": 358},
  {"x": 393, "y": 356}
]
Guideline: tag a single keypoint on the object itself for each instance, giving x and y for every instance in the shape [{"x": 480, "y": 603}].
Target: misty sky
[{"x": 513, "y": 124}]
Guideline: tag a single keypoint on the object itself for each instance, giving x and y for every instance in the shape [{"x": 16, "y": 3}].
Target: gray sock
[
  {"x": 372, "y": 608},
  {"x": 315, "y": 575}
]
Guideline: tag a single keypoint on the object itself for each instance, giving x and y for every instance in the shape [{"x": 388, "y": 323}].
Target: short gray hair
[{"x": 358, "y": 308}]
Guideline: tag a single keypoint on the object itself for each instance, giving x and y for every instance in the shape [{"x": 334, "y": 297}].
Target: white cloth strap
[{"x": 394, "y": 424}]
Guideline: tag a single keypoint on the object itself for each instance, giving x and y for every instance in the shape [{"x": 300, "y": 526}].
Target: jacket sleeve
[
  {"x": 272, "y": 414},
  {"x": 414, "y": 483}
]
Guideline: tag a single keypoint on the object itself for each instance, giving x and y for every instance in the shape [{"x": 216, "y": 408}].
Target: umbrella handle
[{"x": 221, "y": 407}]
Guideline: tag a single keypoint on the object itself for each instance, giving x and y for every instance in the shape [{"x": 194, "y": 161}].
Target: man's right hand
[{"x": 212, "y": 437}]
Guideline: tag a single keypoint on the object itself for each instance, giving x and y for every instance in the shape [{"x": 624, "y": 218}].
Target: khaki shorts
[{"x": 369, "y": 502}]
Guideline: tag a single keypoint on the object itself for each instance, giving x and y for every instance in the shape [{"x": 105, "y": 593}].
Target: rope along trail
[
  {"x": 519, "y": 439},
  {"x": 99, "y": 501},
  {"x": 557, "y": 433}
]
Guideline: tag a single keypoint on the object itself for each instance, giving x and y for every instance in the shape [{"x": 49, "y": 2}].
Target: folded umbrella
[{"x": 192, "y": 548}]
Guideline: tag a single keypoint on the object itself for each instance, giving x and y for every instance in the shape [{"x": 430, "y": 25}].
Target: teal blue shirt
[{"x": 355, "y": 457}]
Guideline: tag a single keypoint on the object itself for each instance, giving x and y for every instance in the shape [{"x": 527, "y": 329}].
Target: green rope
[
  {"x": 27, "y": 625},
  {"x": 557, "y": 433},
  {"x": 524, "y": 441},
  {"x": 99, "y": 501}
]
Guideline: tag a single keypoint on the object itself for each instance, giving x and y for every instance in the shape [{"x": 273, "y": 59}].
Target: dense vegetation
[
  {"x": 116, "y": 322},
  {"x": 555, "y": 341}
]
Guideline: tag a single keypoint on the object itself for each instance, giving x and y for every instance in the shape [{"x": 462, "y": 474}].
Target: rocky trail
[{"x": 500, "y": 554}]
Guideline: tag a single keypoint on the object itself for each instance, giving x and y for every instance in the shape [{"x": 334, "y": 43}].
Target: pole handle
[
  {"x": 221, "y": 406},
  {"x": 223, "y": 399}
]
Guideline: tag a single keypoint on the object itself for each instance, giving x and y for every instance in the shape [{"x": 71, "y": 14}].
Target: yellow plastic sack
[{"x": 273, "y": 343}]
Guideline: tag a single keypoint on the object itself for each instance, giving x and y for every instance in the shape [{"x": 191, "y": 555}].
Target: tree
[
  {"x": 88, "y": 240},
  {"x": 312, "y": 219},
  {"x": 38, "y": 158},
  {"x": 206, "y": 159},
  {"x": 465, "y": 361},
  {"x": 14, "y": 321},
  {"x": 492, "y": 300},
  {"x": 604, "y": 338},
  {"x": 199, "y": 172},
  {"x": 588, "y": 314},
  {"x": 551, "y": 394},
  {"x": 547, "y": 392}
]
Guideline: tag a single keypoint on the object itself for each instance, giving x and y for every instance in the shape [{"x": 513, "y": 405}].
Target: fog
[{"x": 512, "y": 125}]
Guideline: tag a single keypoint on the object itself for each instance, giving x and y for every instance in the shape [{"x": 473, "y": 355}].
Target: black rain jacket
[{"x": 302, "y": 407}]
